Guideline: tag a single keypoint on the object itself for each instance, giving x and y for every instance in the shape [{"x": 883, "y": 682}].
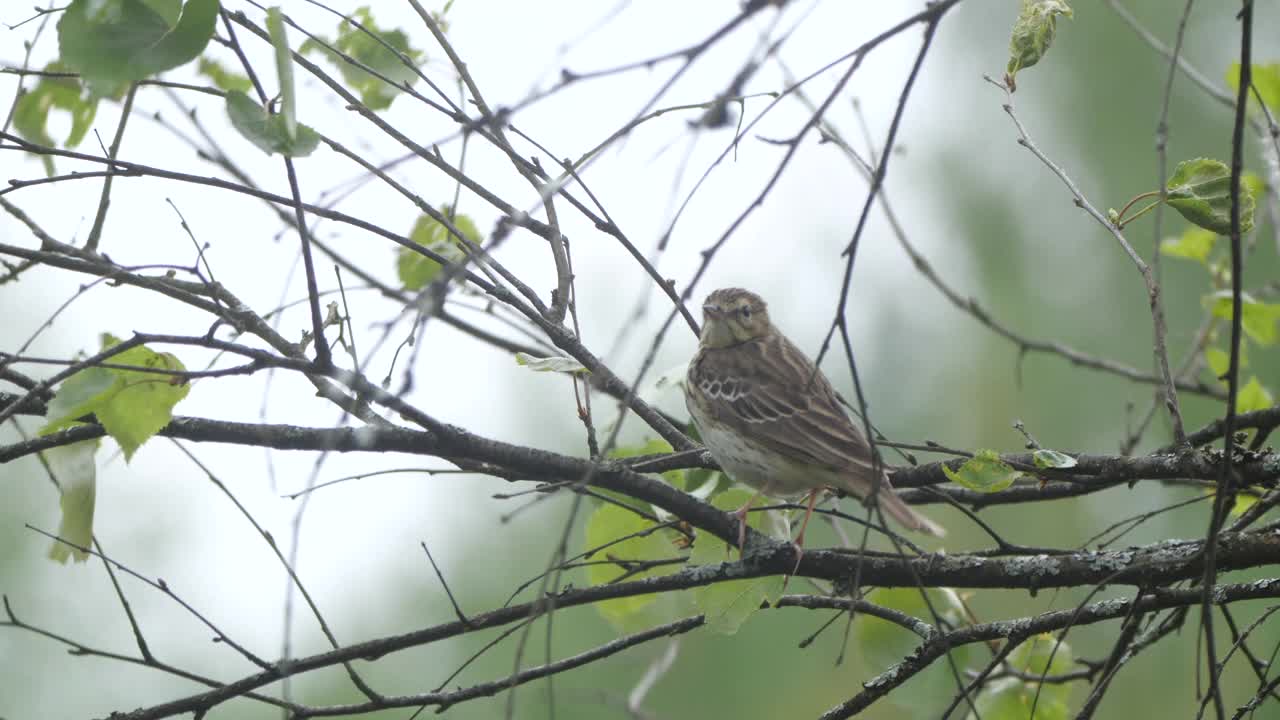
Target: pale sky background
[{"x": 159, "y": 515}]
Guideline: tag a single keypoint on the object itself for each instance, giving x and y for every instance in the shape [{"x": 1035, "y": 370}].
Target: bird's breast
[{"x": 752, "y": 464}]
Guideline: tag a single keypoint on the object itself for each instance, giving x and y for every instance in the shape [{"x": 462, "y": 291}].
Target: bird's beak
[{"x": 712, "y": 311}]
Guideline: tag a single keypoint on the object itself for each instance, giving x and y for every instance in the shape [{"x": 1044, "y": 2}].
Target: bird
[{"x": 772, "y": 420}]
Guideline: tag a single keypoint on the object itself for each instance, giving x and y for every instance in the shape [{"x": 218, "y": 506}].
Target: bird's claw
[{"x": 799, "y": 556}]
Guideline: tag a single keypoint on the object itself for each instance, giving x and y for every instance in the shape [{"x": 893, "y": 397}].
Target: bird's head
[{"x": 731, "y": 316}]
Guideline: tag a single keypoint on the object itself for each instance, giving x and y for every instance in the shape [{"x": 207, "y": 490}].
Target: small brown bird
[{"x": 771, "y": 418}]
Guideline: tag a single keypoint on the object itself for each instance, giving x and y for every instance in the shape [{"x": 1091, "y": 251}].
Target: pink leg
[
  {"x": 742, "y": 521},
  {"x": 798, "y": 544}
]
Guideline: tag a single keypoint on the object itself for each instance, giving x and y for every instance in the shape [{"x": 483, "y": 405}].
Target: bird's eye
[{"x": 745, "y": 312}]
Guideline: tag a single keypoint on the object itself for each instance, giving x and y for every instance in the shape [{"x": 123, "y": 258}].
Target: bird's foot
[
  {"x": 799, "y": 548},
  {"x": 742, "y": 528}
]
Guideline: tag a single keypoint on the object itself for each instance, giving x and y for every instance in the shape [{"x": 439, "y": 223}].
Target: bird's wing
[{"x": 767, "y": 391}]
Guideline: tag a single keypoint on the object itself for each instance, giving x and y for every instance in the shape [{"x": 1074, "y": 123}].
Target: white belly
[{"x": 757, "y": 466}]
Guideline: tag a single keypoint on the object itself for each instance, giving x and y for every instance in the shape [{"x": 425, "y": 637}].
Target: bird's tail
[{"x": 895, "y": 508}]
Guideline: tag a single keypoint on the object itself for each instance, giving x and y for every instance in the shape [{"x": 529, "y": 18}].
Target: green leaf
[
  {"x": 1217, "y": 360},
  {"x": 607, "y": 524},
  {"x": 566, "y": 365},
  {"x": 1042, "y": 655},
  {"x": 267, "y": 131},
  {"x": 442, "y": 16},
  {"x": 131, "y": 405},
  {"x": 1200, "y": 189},
  {"x": 656, "y": 446},
  {"x": 386, "y": 59},
  {"x": 984, "y": 472},
  {"x": 696, "y": 478},
  {"x": 168, "y": 10},
  {"x": 1265, "y": 78},
  {"x": 222, "y": 78},
  {"x": 1257, "y": 318},
  {"x": 74, "y": 469},
  {"x": 415, "y": 270},
  {"x": 1012, "y": 698},
  {"x": 1033, "y": 33},
  {"x": 1053, "y": 459},
  {"x": 284, "y": 70},
  {"x": 112, "y": 43},
  {"x": 1195, "y": 243},
  {"x": 31, "y": 113},
  {"x": 1253, "y": 396},
  {"x": 1256, "y": 184},
  {"x": 1243, "y": 502},
  {"x": 79, "y": 395},
  {"x": 884, "y": 644},
  {"x": 728, "y": 604},
  {"x": 141, "y": 402}
]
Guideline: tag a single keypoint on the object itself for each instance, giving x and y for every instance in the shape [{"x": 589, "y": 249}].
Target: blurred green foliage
[{"x": 1035, "y": 260}]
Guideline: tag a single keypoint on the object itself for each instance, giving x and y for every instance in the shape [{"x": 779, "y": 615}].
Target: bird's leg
[
  {"x": 798, "y": 543},
  {"x": 741, "y": 514}
]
